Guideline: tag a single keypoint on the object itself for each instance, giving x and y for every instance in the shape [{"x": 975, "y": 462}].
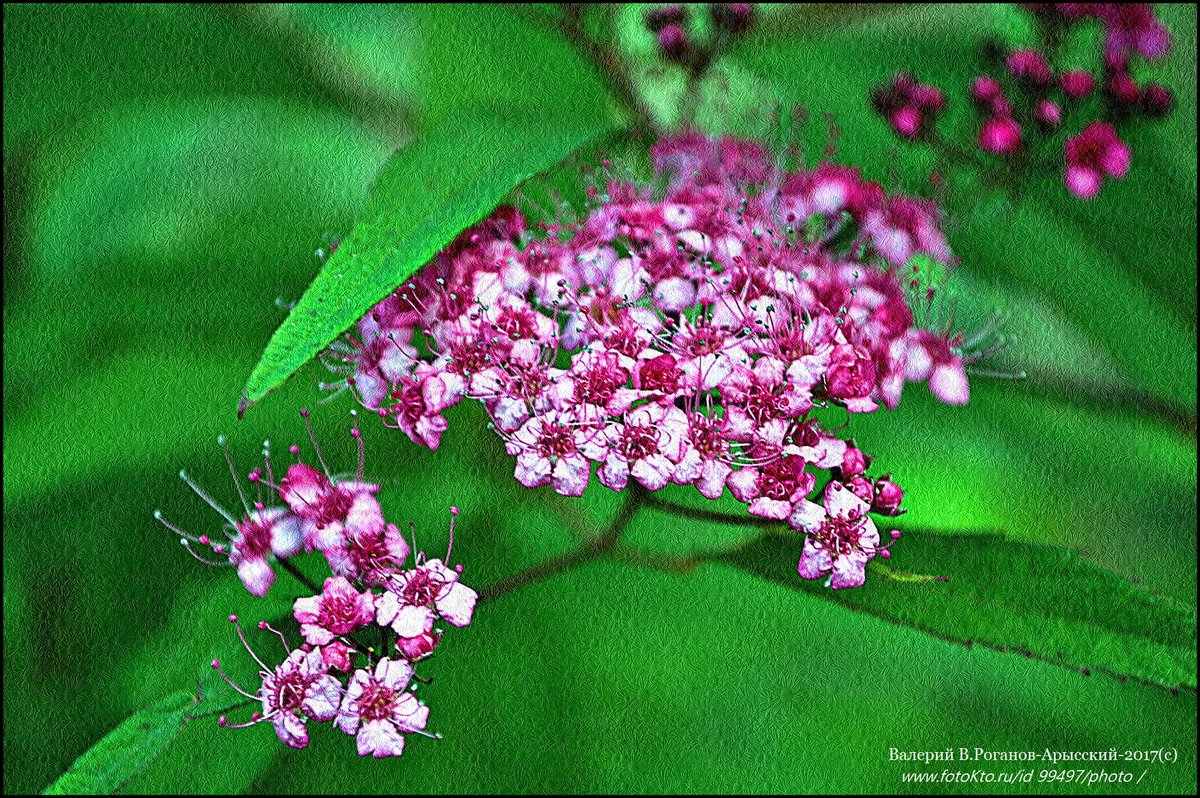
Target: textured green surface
[
  {"x": 1032, "y": 599},
  {"x": 167, "y": 177}
]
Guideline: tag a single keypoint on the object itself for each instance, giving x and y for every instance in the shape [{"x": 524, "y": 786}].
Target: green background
[{"x": 170, "y": 171}]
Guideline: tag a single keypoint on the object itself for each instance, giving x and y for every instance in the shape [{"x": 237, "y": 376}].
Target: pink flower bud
[
  {"x": 861, "y": 488},
  {"x": 854, "y": 462},
  {"x": 1156, "y": 100},
  {"x": 1048, "y": 114},
  {"x": 906, "y": 121},
  {"x": 1123, "y": 88},
  {"x": 1077, "y": 84},
  {"x": 674, "y": 43},
  {"x": 1029, "y": 65},
  {"x": 928, "y": 98},
  {"x": 985, "y": 90},
  {"x": 888, "y": 496},
  {"x": 1000, "y": 135},
  {"x": 419, "y": 647}
]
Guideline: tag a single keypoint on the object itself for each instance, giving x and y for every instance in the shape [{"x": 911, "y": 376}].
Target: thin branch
[
  {"x": 799, "y": 19},
  {"x": 1109, "y": 398},
  {"x": 296, "y": 572},
  {"x": 661, "y": 562},
  {"x": 602, "y": 57},
  {"x": 711, "y": 516},
  {"x": 597, "y": 547}
]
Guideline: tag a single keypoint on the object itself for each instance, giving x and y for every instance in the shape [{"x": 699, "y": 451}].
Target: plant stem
[
  {"x": 296, "y": 572},
  {"x": 635, "y": 498},
  {"x": 605, "y": 60},
  {"x": 711, "y": 516},
  {"x": 660, "y": 562}
]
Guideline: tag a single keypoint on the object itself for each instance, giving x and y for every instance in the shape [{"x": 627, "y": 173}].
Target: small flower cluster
[
  {"x": 1027, "y": 105},
  {"x": 371, "y": 594},
  {"x": 687, "y": 334},
  {"x": 669, "y": 24}
]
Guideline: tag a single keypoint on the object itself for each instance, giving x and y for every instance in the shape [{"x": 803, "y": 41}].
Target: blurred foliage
[{"x": 169, "y": 171}]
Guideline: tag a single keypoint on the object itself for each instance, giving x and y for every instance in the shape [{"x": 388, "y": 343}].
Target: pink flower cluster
[
  {"x": 372, "y": 594},
  {"x": 690, "y": 334},
  {"x": 1029, "y": 103}
]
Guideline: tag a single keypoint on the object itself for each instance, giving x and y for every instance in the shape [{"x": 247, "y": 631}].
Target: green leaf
[
  {"x": 118, "y": 757},
  {"x": 424, "y": 197},
  {"x": 121, "y": 754},
  {"x": 1039, "y": 600}
]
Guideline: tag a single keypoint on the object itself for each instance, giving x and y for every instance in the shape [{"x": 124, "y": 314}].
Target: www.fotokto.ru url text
[{"x": 1083, "y": 776}]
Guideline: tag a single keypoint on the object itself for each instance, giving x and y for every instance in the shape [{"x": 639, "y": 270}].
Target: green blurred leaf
[
  {"x": 424, "y": 197},
  {"x": 1042, "y": 601},
  {"x": 68, "y": 61},
  {"x": 117, "y": 758}
]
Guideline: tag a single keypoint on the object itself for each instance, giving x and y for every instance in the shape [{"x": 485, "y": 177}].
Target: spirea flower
[
  {"x": 378, "y": 710},
  {"x": 687, "y": 333},
  {"x": 250, "y": 543},
  {"x": 297, "y": 690},
  {"x": 349, "y": 670}
]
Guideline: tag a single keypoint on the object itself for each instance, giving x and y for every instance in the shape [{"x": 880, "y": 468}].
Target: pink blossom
[
  {"x": 707, "y": 460},
  {"x": 1029, "y": 65},
  {"x": 250, "y": 543},
  {"x": 321, "y": 504},
  {"x": 1048, "y": 114},
  {"x": 755, "y": 396},
  {"x": 1133, "y": 27},
  {"x": 549, "y": 450},
  {"x": 1095, "y": 152},
  {"x": 378, "y": 358},
  {"x": 851, "y": 378},
  {"x": 517, "y": 387},
  {"x": 985, "y": 90},
  {"x": 840, "y": 540},
  {"x": 259, "y": 535},
  {"x": 1000, "y": 135},
  {"x": 417, "y": 403},
  {"x": 646, "y": 445},
  {"x": 378, "y": 710},
  {"x": 772, "y": 489},
  {"x": 906, "y": 121},
  {"x": 1077, "y": 84},
  {"x": 700, "y": 319},
  {"x": 370, "y": 550},
  {"x": 597, "y": 380},
  {"x": 299, "y": 689},
  {"x": 414, "y": 598},
  {"x": 338, "y": 611}
]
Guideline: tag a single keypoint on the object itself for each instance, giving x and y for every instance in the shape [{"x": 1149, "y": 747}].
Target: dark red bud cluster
[{"x": 910, "y": 107}]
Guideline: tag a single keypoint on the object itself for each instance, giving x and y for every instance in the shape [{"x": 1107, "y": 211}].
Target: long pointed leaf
[
  {"x": 424, "y": 197},
  {"x": 1039, "y": 600}
]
